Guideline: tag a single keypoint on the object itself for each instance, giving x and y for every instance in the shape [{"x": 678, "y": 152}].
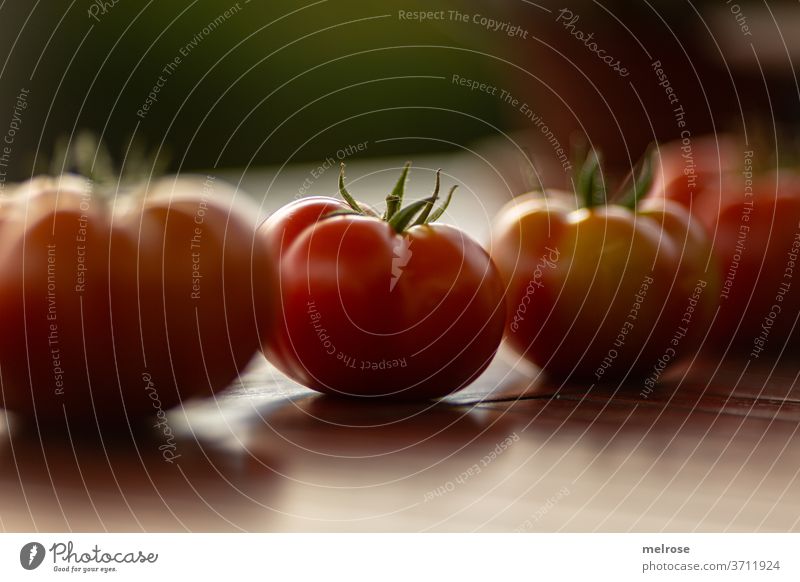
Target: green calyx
[
  {"x": 84, "y": 153},
  {"x": 589, "y": 182},
  {"x": 590, "y": 185},
  {"x": 400, "y": 218}
]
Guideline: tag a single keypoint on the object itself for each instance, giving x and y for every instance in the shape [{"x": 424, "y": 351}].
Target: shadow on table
[
  {"x": 134, "y": 481},
  {"x": 347, "y": 428}
]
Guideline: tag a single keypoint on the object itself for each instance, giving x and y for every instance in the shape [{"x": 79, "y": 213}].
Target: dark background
[{"x": 295, "y": 81}]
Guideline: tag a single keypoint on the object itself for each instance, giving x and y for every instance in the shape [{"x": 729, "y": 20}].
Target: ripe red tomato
[
  {"x": 686, "y": 168},
  {"x": 603, "y": 292},
  {"x": 396, "y": 307},
  {"x": 757, "y": 243},
  {"x": 115, "y": 310},
  {"x": 753, "y": 221}
]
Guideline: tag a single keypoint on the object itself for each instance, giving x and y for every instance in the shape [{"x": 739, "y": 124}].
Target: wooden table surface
[
  {"x": 714, "y": 448},
  {"x": 511, "y": 453}
]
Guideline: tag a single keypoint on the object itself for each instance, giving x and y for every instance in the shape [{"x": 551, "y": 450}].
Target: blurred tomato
[
  {"x": 694, "y": 165},
  {"x": 752, "y": 219},
  {"x": 756, "y": 241},
  {"x": 117, "y": 310},
  {"x": 603, "y": 292}
]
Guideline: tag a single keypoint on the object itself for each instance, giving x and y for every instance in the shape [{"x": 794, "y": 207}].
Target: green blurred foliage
[{"x": 275, "y": 81}]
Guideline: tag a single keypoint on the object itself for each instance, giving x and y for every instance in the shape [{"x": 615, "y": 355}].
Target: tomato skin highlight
[
  {"x": 292, "y": 219},
  {"x": 110, "y": 317},
  {"x": 598, "y": 294},
  {"x": 368, "y": 312}
]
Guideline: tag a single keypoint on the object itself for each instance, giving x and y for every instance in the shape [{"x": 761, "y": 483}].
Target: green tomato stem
[
  {"x": 587, "y": 180},
  {"x": 394, "y": 201},
  {"x": 589, "y": 186},
  {"x": 641, "y": 184},
  {"x": 437, "y": 214},
  {"x": 417, "y": 213},
  {"x": 403, "y": 217},
  {"x": 351, "y": 202},
  {"x": 423, "y": 217}
]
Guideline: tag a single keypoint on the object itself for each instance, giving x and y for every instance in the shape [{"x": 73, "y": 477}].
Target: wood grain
[{"x": 512, "y": 453}]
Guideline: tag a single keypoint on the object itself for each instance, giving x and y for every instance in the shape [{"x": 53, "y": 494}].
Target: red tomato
[
  {"x": 377, "y": 307},
  {"x": 757, "y": 241},
  {"x": 603, "y": 293},
  {"x": 115, "y": 311},
  {"x": 687, "y": 167},
  {"x": 752, "y": 220}
]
